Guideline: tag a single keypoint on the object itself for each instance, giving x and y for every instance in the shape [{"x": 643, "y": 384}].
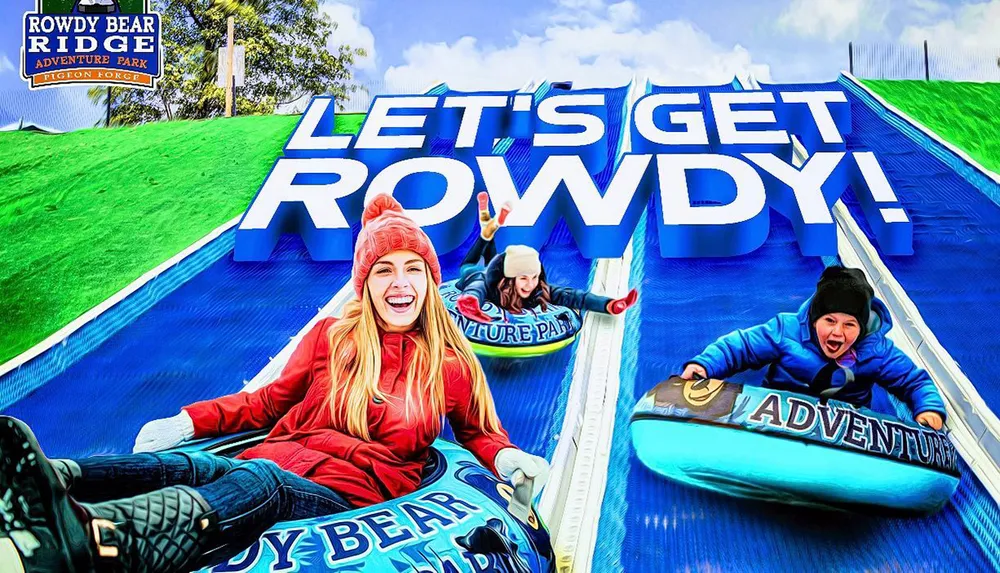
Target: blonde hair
[{"x": 356, "y": 364}]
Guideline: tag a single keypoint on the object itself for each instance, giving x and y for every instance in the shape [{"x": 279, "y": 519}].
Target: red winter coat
[{"x": 306, "y": 442}]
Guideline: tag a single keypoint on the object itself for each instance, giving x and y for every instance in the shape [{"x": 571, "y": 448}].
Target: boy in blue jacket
[{"x": 842, "y": 326}]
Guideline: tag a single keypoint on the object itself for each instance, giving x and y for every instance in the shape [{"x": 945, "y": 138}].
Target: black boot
[
  {"x": 159, "y": 532},
  {"x": 39, "y": 522}
]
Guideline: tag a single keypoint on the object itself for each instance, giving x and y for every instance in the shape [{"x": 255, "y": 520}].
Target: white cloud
[
  {"x": 972, "y": 26},
  {"x": 833, "y": 20},
  {"x": 350, "y": 32},
  {"x": 586, "y": 41},
  {"x": 590, "y": 13},
  {"x": 922, "y": 9},
  {"x": 5, "y": 64},
  {"x": 623, "y": 13}
]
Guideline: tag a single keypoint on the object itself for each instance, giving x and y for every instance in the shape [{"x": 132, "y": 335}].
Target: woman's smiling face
[{"x": 397, "y": 284}]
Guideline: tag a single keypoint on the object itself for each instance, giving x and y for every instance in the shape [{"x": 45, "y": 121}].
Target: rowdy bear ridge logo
[{"x": 105, "y": 42}]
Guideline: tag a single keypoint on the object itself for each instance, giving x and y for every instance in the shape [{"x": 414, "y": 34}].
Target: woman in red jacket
[{"x": 353, "y": 414}]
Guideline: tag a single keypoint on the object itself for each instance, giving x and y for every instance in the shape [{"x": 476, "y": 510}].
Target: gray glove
[
  {"x": 509, "y": 460},
  {"x": 164, "y": 433}
]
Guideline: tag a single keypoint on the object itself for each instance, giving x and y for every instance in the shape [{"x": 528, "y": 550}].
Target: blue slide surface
[
  {"x": 203, "y": 340},
  {"x": 223, "y": 325},
  {"x": 530, "y": 393},
  {"x": 954, "y": 271},
  {"x": 650, "y": 524}
]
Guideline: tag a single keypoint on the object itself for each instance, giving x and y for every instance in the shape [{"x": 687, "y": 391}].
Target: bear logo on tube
[{"x": 709, "y": 398}]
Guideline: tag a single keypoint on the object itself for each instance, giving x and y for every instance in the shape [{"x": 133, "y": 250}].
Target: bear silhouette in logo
[
  {"x": 706, "y": 398},
  {"x": 491, "y": 539},
  {"x": 96, "y": 6}
]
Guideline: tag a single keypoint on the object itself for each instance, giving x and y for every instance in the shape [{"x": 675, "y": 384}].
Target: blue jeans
[{"x": 248, "y": 496}]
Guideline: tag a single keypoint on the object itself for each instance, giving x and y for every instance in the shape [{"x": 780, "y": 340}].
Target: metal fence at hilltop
[
  {"x": 69, "y": 109},
  {"x": 54, "y": 109},
  {"x": 876, "y": 61}
]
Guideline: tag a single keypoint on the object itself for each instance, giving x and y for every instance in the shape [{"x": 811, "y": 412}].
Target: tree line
[{"x": 286, "y": 58}]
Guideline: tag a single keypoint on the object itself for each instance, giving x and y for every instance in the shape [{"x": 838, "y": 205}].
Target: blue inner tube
[
  {"x": 456, "y": 521},
  {"x": 785, "y": 447},
  {"x": 531, "y": 333}
]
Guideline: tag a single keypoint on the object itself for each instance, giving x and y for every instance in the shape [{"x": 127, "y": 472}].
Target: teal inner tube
[
  {"x": 784, "y": 447},
  {"x": 456, "y": 521},
  {"x": 532, "y": 333}
]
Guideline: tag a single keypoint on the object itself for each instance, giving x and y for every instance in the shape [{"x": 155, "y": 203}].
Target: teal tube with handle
[
  {"x": 784, "y": 447},
  {"x": 461, "y": 518}
]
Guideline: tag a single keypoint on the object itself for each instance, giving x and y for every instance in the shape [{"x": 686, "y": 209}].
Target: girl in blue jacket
[
  {"x": 842, "y": 326},
  {"x": 515, "y": 279}
]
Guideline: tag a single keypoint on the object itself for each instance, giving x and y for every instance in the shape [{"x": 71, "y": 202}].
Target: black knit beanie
[{"x": 842, "y": 290}]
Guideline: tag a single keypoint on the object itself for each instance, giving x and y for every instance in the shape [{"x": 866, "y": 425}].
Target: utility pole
[
  {"x": 107, "y": 121},
  {"x": 229, "y": 68},
  {"x": 927, "y": 67}
]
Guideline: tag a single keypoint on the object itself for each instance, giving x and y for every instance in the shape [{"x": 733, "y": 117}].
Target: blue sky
[
  {"x": 475, "y": 44},
  {"x": 596, "y": 41}
]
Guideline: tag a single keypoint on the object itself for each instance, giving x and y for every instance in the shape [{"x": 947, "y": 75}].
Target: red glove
[
  {"x": 619, "y": 305},
  {"x": 469, "y": 307}
]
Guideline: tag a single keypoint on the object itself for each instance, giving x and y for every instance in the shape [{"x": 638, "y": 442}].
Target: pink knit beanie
[{"x": 386, "y": 228}]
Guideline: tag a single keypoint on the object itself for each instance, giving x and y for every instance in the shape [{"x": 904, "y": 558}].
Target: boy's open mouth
[
  {"x": 834, "y": 346},
  {"x": 400, "y": 303}
]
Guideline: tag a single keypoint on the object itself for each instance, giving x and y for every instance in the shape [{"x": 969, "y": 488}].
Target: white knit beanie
[{"x": 521, "y": 260}]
